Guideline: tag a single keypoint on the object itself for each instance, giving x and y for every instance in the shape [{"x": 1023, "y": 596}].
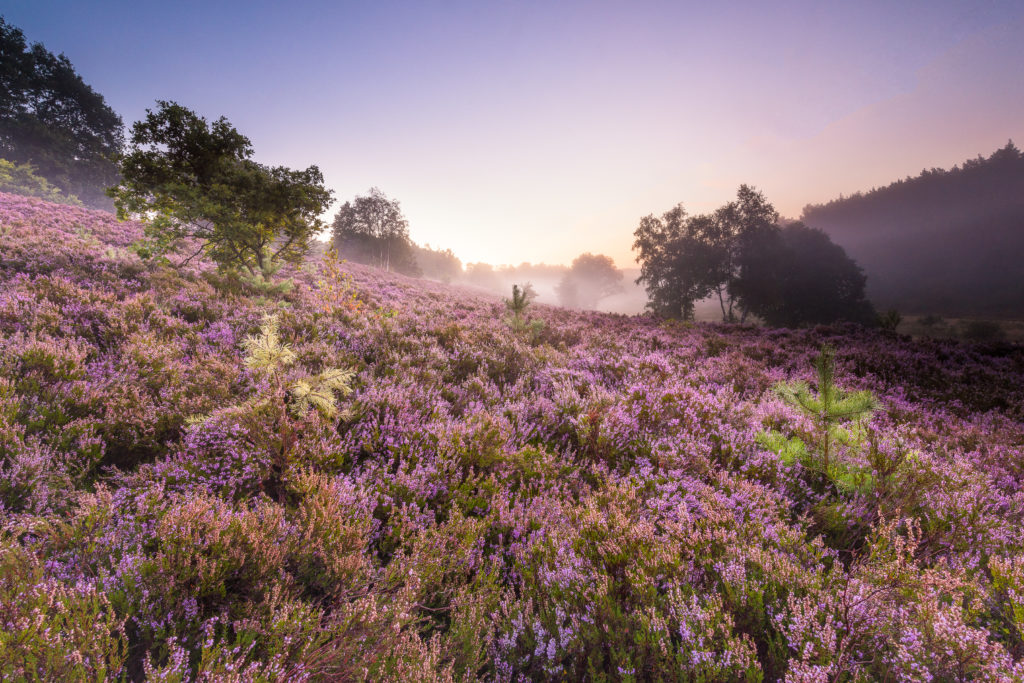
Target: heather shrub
[
  {"x": 1007, "y": 601},
  {"x": 334, "y": 520},
  {"x": 55, "y": 630},
  {"x": 891, "y": 617}
]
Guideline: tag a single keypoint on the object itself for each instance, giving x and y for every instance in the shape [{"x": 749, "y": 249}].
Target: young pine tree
[
  {"x": 831, "y": 406},
  {"x": 265, "y": 352},
  {"x": 517, "y": 305}
]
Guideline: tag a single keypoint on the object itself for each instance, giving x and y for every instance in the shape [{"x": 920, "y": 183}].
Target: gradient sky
[{"x": 534, "y": 131}]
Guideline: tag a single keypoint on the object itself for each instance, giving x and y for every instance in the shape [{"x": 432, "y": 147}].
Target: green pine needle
[{"x": 265, "y": 351}]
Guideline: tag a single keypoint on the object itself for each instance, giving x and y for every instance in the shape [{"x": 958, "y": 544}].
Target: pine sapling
[
  {"x": 831, "y": 406},
  {"x": 517, "y": 306},
  {"x": 320, "y": 391},
  {"x": 265, "y": 352}
]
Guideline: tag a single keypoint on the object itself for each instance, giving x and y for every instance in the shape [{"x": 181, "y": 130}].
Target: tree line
[{"x": 945, "y": 242}]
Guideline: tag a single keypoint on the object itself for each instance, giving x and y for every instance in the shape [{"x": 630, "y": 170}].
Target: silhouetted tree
[
  {"x": 789, "y": 276},
  {"x": 371, "y": 229},
  {"x": 739, "y": 227},
  {"x": 686, "y": 258},
  {"x": 679, "y": 261},
  {"x": 590, "y": 279},
  {"x": 192, "y": 179},
  {"x": 51, "y": 119},
  {"x": 797, "y": 276}
]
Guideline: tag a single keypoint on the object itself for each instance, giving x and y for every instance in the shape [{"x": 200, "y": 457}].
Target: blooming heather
[{"x": 604, "y": 499}]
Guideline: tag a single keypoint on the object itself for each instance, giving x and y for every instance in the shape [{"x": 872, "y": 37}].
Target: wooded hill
[{"x": 945, "y": 242}]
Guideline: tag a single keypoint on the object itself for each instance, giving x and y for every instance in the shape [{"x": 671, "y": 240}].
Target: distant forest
[{"x": 945, "y": 242}]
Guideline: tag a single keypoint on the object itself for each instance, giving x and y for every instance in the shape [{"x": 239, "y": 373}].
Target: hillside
[
  {"x": 612, "y": 498},
  {"x": 946, "y": 242}
]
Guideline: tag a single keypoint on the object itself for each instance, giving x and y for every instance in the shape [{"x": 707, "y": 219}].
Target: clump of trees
[
  {"x": 193, "y": 179},
  {"x": 787, "y": 275},
  {"x": 438, "y": 264},
  {"x": 372, "y": 230},
  {"x": 591, "y": 277},
  {"x": 50, "y": 118}
]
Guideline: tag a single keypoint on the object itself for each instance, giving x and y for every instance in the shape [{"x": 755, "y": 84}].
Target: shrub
[
  {"x": 984, "y": 331},
  {"x": 22, "y": 179}
]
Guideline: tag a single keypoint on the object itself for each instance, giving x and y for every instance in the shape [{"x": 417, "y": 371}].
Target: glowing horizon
[{"x": 537, "y": 132}]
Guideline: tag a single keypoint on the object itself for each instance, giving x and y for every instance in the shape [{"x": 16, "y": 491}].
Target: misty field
[{"x": 371, "y": 477}]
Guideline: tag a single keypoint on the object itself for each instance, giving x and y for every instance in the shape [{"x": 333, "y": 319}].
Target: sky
[{"x": 535, "y": 131}]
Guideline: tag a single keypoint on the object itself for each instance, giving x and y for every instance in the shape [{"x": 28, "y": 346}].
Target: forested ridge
[{"x": 944, "y": 242}]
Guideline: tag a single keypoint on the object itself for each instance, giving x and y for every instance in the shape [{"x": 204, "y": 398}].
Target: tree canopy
[
  {"x": 193, "y": 179},
  {"x": 739, "y": 253},
  {"x": 680, "y": 261},
  {"x": 591, "y": 278},
  {"x": 371, "y": 229},
  {"x": 51, "y": 119},
  {"x": 438, "y": 264},
  {"x": 798, "y": 276}
]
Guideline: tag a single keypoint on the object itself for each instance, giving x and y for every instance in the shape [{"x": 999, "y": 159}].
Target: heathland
[{"x": 372, "y": 477}]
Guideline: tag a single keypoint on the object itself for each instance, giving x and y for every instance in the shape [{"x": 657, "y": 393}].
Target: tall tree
[
  {"x": 798, "y": 276},
  {"x": 680, "y": 261},
  {"x": 193, "y": 179},
  {"x": 591, "y": 278},
  {"x": 739, "y": 227},
  {"x": 371, "y": 229},
  {"x": 51, "y": 119}
]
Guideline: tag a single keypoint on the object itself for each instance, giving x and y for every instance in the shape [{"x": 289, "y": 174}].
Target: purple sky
[{"x": 535, "y": 131}]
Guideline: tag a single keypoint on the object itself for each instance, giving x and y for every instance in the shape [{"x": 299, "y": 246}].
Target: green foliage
[
  {"x": 195, "y": 180},
  {"x": 520, "y": 301},
  {"x": 266, "y": 352},
  {"x": 517, "y": 306},
  {"x": 262, "y": 280},
  {"x": 51, "y": 119},
  {"x": 22, "y": 179},
  {"x": 829, "y": 407}
]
